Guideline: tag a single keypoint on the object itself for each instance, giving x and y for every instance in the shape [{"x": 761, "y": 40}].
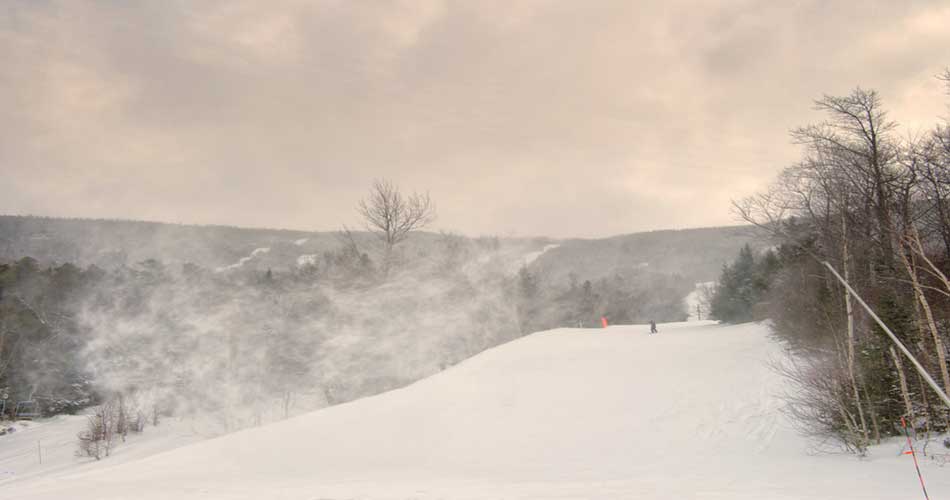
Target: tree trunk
[
  {"x": 850, "y": 311},
  {"x": 918, "y": 248},
  {"x": 911, "y": 268},
  {"x": 905, "y": 392}
]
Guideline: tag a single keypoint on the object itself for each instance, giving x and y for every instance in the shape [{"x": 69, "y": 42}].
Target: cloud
[{"x": 537, "y": 117}]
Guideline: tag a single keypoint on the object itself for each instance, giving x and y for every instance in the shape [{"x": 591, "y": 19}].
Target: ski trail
[
  {"x": 610, "y": 414},
  {"x": 244, "y": 260}
]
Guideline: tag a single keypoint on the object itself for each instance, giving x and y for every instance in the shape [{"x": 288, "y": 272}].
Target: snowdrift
[{"x": 691, "y": 412}]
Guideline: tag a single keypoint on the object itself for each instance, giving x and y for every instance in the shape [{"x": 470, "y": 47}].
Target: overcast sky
[{"x": 560, "y": 118}]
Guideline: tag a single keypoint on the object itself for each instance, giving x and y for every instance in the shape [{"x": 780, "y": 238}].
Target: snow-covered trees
[{"x": 39, "y": 337}]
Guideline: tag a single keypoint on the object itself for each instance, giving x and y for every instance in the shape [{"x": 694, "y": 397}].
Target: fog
[{"x": 243, "y": 346}]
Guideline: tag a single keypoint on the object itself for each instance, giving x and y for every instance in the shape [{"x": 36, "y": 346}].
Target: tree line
[
  {"x": 246, "y": 345},
  {"x": 743, "y": 286},
  {"x": 875, "y": 204}
]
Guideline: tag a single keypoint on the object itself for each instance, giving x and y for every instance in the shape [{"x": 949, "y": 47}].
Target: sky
[{"x": 520, "y": 118}]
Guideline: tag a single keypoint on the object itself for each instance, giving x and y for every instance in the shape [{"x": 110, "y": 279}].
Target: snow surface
[
  {"x": 570, "y": 413},
  {"x": 47, "y": 447},
  {"x": 307, "y": 260},
  {"x": 244, "y": 260},
  {"x": 533, "y": 256}
]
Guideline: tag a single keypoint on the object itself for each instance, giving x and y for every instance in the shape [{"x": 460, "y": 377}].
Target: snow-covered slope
[
  {"x": 613, "y": 414},
  {"x": 47, "y": 447}
]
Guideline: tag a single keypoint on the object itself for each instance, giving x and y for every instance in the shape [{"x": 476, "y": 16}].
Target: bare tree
[
  {"x": 854, "y": 142},
  {"x": 98, "y": 439},
  {"x": 391, "y": 216},
  {"x": 818, "y": 403},
  {"x": 846, "y": 202}
]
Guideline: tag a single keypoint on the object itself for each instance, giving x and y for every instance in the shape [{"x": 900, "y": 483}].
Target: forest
[
  {"x": 244, "y": 345},
  {"x": 872, "y": 201}
]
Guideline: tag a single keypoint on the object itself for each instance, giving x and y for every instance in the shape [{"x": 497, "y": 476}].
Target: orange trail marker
[{"x": 911, "y": 453}]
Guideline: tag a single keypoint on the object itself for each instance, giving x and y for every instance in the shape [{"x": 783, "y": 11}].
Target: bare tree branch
[{"x": 392, "y": 217}]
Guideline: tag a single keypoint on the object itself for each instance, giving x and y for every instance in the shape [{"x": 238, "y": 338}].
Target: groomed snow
[
  {"x": 608, "y": 414},
  {"x": 244, "y": 260},
  {"x": 533, "y": 256}
]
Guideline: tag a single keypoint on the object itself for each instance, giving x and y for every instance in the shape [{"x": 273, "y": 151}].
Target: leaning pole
[{"x": 920, "y": 369}]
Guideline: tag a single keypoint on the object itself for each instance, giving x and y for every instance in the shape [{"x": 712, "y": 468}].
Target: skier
[{"x": 653, "y": 326}]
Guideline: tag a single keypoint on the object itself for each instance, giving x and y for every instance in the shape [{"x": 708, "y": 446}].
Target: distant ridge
[
  {"x": 697, "y": 254},
  {"x": 693, "y": 253}
]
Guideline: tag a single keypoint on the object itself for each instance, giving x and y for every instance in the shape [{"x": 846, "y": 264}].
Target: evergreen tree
[{"x": 742, "y": 285}]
